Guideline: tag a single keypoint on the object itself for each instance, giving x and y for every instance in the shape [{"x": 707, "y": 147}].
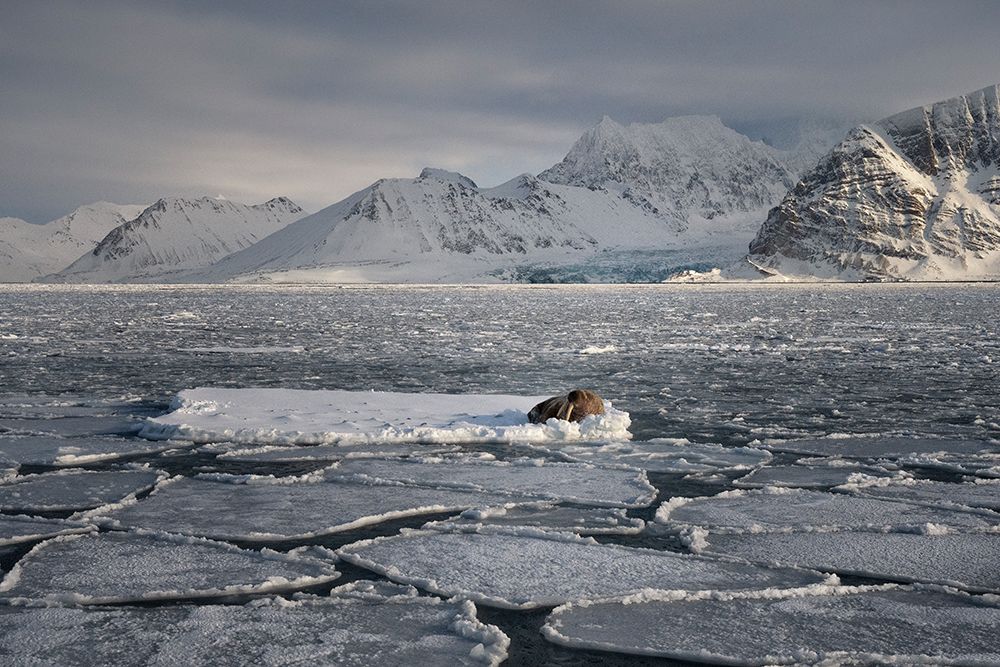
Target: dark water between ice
[{"x": 724, "y": 364}]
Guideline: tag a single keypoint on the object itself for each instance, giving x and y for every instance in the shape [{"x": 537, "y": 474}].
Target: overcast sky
[{"x": 131, "y": 101}]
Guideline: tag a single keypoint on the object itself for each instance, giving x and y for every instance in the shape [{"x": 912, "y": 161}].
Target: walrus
[{"x": 573, "y": 407}]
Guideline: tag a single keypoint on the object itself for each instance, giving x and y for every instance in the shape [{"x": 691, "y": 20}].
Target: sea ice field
[{"x": 784, "y": 474}]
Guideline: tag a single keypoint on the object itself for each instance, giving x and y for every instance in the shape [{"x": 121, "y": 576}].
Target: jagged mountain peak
[{"x": 447, "y": 177}]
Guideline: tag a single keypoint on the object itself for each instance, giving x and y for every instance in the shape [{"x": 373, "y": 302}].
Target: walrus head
[{"x": 575, "y": 406}]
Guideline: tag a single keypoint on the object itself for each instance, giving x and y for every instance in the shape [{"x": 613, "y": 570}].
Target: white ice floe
[
  {"x": 20, "y": 529},
  {"x": 123, "y": 567},
  {"x": 589, "y": 521},
  {"x": 962, "y": 560},
  {"x": 526, "y": 568},
  {"x": 665, "y": 455},
  {"x": 986, "y": 466},
  {"x": 783, "y": 510},
  {"x": 831, "y": 626},
  {"x": 878, "y": 446},
  {"x": 71, "y": 427},
  {"x": 280, "y": 509},
  {"x": 300, "y": 417},
  {"x": 8, "y": 467},
  {"x": 260, "y": 349},
  {"x": 357, "y": 625},
  {"x": 525, "y": 478},
  {"x": 74, "y": 489},
  {"x": 598, "y": 349},
  {"x": 56, "y": 451},
  {"x": 981, "y": 493},
  {"x": 289, "y": 454},
  {"x": 809, "y": 476}
]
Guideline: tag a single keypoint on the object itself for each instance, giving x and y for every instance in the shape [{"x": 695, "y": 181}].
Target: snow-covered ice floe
[
  {"x": 527, "y": 568},
  {"x": 981, "y": 493},
  {"x": 117, "y": 567},
  {"x": 828, "y": 625},
  {"x": 71, "y": 427},
  {"x": 810, "y": 476},
  {"x": 56, "y": 451},
  {"x": 300, "y": 417},
  {"x": 526, "y": 478},
  {"x": 589, "y": 521},
  {"x": 21, "y": 529},
  {"x": 665, "y": 455},
  {"x": 986, "y": 466},
  {"x": 359, "y": 624},
  {"x": 8, "y": 467},
  {"x": 269, "y": 509},
  {"x": 963, "y": 560},
  {"x": 291, "y": 454},
  {"x": 784, "y": 510},
  {"x": 876, "y": 446},
  {"x": 74, "y": 489}
]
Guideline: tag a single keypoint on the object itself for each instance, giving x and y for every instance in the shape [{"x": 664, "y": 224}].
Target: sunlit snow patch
[
  {"x": 982, "y": 493},
  {"x": 56, "y": 451},
  {"x": 74, "y": 489},
  {"x": 666, "y": 455},
  {"x": 352, "y": 627},
  {"x": 270, "y": 509},
  {"x": 880, "y": 446},
  {"x": 808, "y": 476},
  {"x": 122, "y": 567},
  {"x": 20, "y": 529},
  {"x": 525, "y": 568},
  {"x": 290, "y": 454},
  {"x": 782, "y": 510},
  {"x": 962, "y": 560},
  {"x": 526, "y": 478},
  {"x": 291, "y": 416},
  {"x": 589, "y": 521},
  {"x": 838, "y": 625}
]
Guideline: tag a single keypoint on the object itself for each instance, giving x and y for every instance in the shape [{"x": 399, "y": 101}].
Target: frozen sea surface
[{"x": 74, "y": 489}]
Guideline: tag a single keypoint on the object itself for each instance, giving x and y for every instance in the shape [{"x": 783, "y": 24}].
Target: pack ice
[
  {"x": 889, "y": 447},
  {"x": 20, "y": 529},
  {"x": 74, "y": 489},
  {"x": 290, "y": 454},
  {"x": 589, "y": 521},
  {"x": 783, "y": 510},
  {"x": 525, "y": 568},
  {"x": 268, "y": 509},
  {"x": 56, "y": 451},
  {"x": 123, "y": 567},
  {"x": 292, "y": 416},
  {"x": 963, "y": 560},
  {"x": 71, "y": 427},
  {"x": 666, "y": 455},
  {"x": 807, "y": 476},
  {"x": 982, "y": 493},
  {"x": 829, "y": 626},
  {"x": 525, "y": 478},
  {"x": 352, "y": 627}
]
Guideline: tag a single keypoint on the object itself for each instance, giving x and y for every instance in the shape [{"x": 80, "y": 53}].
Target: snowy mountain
[
  {"x": 441, "y": 227},
  {"x": 177, "y": 234},
  {"x": 683, "y": 167},
  {"x": 28, "y": 251},
  {"x": 915, "y": 196}
]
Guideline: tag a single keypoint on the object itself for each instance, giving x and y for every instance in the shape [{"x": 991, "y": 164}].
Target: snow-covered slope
[
  {"x": 915, "y": 196},
  {"x": 440, "y": 227},
  {"x": 685, "y": 166},
  {"x": 28, "y": 251},
  {"x": 177, "y": 234}
]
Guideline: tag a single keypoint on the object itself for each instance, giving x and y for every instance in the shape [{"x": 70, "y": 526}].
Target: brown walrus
[{"x": 573, "y": 407}]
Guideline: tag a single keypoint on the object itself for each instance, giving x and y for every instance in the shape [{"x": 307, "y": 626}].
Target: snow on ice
[
  {"x": 525, "y": 568},
  {"x": 808, "y": 476},
  {"x": 877, "y": 446},
  {"x": 783, "y": 510},
  {"x": 665, "y": 455},
  {"x": 66, "y": 490},
  {"x": 290, "y": 416},
  {"x": 531, "y": 478},
  {"x": 71, "y": 427},
  {"x": 56, "y": 451},
  {"x": 286, "y": 454},
  {"x": 20, "y": 529},
  {"x": 589, "y": 521},
  {"x": 981, "y": 493},
  {"x": 830, "y": 626},
  {"x": 359, "y": 624},
  {"x": 963, "y": 560},
  {"x": 123, "y": 567}
]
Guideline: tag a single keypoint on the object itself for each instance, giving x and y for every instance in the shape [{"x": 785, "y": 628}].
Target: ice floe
[
  {"x": 74, "y": 489},
  {"x": 358, "y": 625},
  {"x": 525, "y": 568},
  {"x": 292, "y": 416},
  {"x": 981, "y": 493},
  {"x": 986, "y": 466},
  {"x": 582, "y": 521},
  {"x": 71, "y": 427},
  {"x": 20, "y": 529},
  {"x": 809, "y": 476},
  {"x": 962, "y": 560},
  {"x": 780, "y": 510},
  {"x": 666, "y": 455},
  {"x": 279, "y": 509},
  {"x": 838, "y": 625},
  {"x": 290, "y": 454},
  {"x": 123, "y": 567},
  {"x": 56, "y": 451},
  {"x": 880, "y": 446},
  {"x": 8, "y": 467},
  {"x": 526, "y": 478}
]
